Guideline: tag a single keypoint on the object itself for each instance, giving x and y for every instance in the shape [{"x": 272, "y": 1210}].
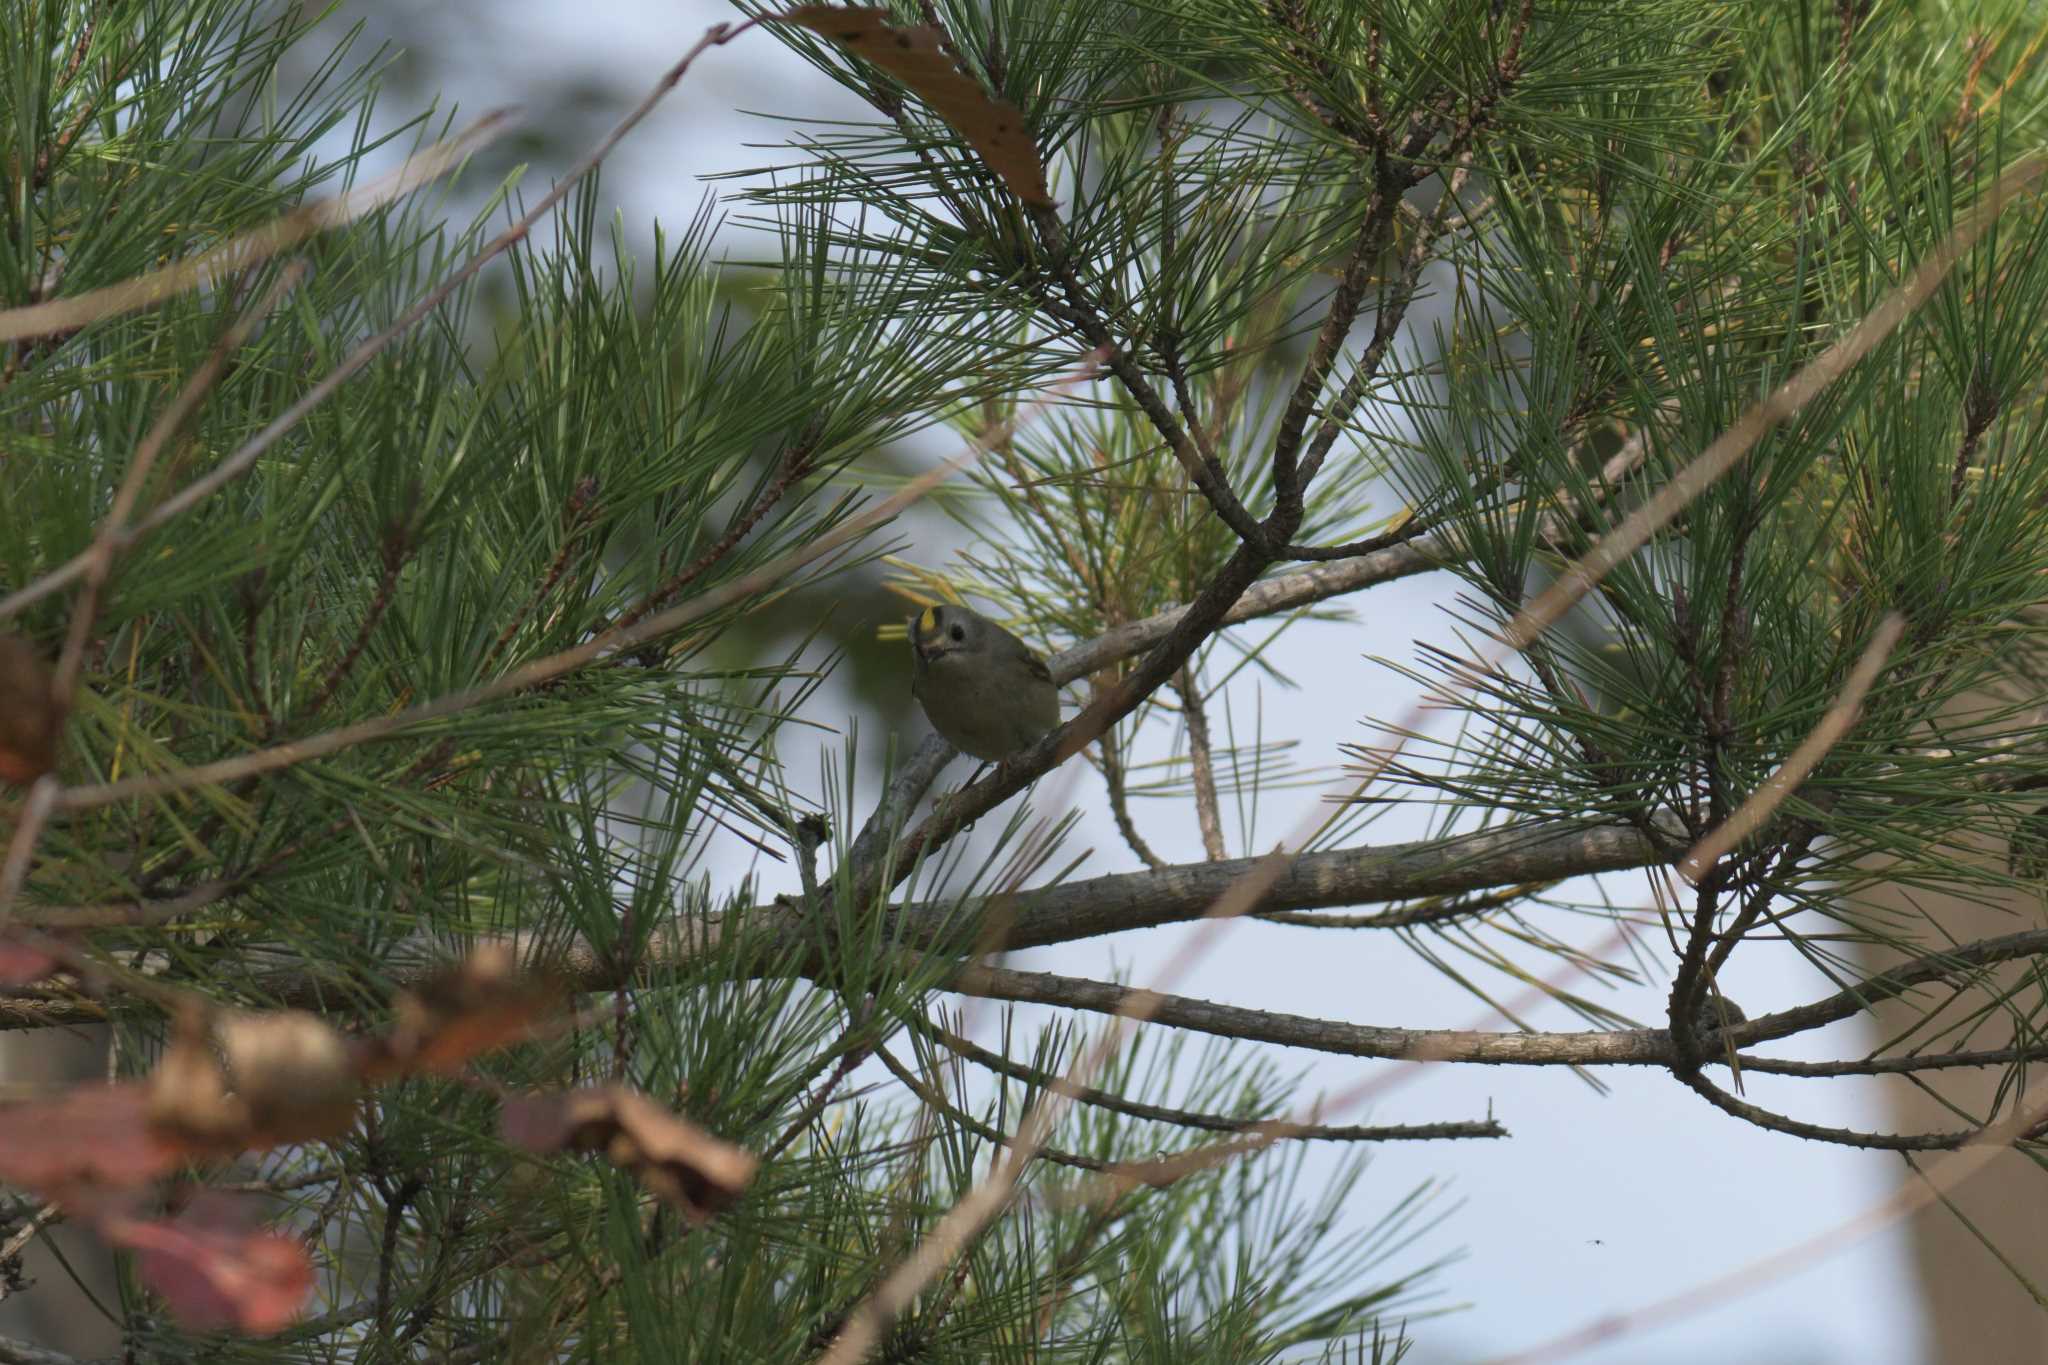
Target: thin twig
[
  {"x": 18, "y": 1241},
  {"x": 35, "y": 812},
  {"x": 1112, "y": 764},
  {"x": 794, "y": 466},
  {"x": 938, "y": 1103}
]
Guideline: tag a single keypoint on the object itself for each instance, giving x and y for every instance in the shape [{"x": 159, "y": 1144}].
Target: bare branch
[
  {"x": 1619, "y": 1047},
  {"x": 1286, "y": 592},
  {"x": 1202, "y": 765},
  {"x": 1112, "y": 765},
  {"x": 1214, "y": 1123}
]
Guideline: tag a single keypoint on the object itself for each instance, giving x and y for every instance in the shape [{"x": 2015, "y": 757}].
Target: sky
[{"x": 1600, "y": 1203}]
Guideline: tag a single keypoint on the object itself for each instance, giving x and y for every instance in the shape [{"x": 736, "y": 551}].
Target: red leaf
[
  {"x": 213, "y": 1270},
  {"x": 21, "y": 965},
  {"x": 92, "y": 1136}
]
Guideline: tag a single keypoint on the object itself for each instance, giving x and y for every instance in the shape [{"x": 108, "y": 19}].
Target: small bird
[{"x": 980, "y": 686}]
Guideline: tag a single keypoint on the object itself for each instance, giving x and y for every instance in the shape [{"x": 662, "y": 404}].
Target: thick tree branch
[
  {"x": 1620, "y": 1047},
  {"x": 1368, "y": 875}
]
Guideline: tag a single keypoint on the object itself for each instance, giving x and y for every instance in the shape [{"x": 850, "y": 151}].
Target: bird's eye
[{"x": 959, "y": 633}]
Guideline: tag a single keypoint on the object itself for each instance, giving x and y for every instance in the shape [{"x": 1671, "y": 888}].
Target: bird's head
[{"x": 938, "y": 631}]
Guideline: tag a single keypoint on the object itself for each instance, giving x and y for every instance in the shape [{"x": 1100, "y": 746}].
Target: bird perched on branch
[{"x": 981, "y": 687}]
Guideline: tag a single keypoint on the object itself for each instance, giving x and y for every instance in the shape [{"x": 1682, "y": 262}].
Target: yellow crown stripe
[{"x": 928, "y": 620}]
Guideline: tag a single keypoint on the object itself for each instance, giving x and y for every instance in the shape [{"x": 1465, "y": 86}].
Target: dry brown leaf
[
  {"x": 485, "y": 1001},
  {"x": 251, "y": 1080},
  {"x": 922, "y": 58},
  {"x": 189, "y": 1100},
  {"x": 295, "y": 1073},
  {"x": 29, "y": 715},
  {"x": 679, "y": 1163}
]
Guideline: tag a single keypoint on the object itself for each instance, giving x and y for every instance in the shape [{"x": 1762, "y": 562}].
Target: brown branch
[
  {"x": 1435, "y": 910},
  {"x": 1896, "y": 1066},
  {"x": 1841, "y": 1137},
  {"x": 1083, "y": 313},
  {"x": 1980, "y": 409},
  {"x": 1701, "y": 864},
  {"x": 995, "y": 1136},
  {"x": 1376, "y": 224},
  {"x": 48, "y": 156},
  {"x": 1202, "y": 765},
  {"x": 1618, "y": 1047},
  {"x": 1950, "y": 964},
  {"x": 17, "y": 1242},
  {"x": 1333, "y": 877},
  {"x": 1213, "y": 1123},
  {"x": 14, "y": 1352},
  {"x": 1391, "y": 309},
  {"x": 398, "y": 547},
  {"x": 1285, "y": 592},
  {"x": 1512, "y": 856},
  {"x": 1119, "y": 803},
  {"x": 1411, "y": 528}
]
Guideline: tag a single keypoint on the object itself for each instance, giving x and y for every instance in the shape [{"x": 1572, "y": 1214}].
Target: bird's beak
[{"x": 924, "y": 635}]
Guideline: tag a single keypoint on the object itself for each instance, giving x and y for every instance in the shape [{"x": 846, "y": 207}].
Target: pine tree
[{"x": 379, "y": 590}]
